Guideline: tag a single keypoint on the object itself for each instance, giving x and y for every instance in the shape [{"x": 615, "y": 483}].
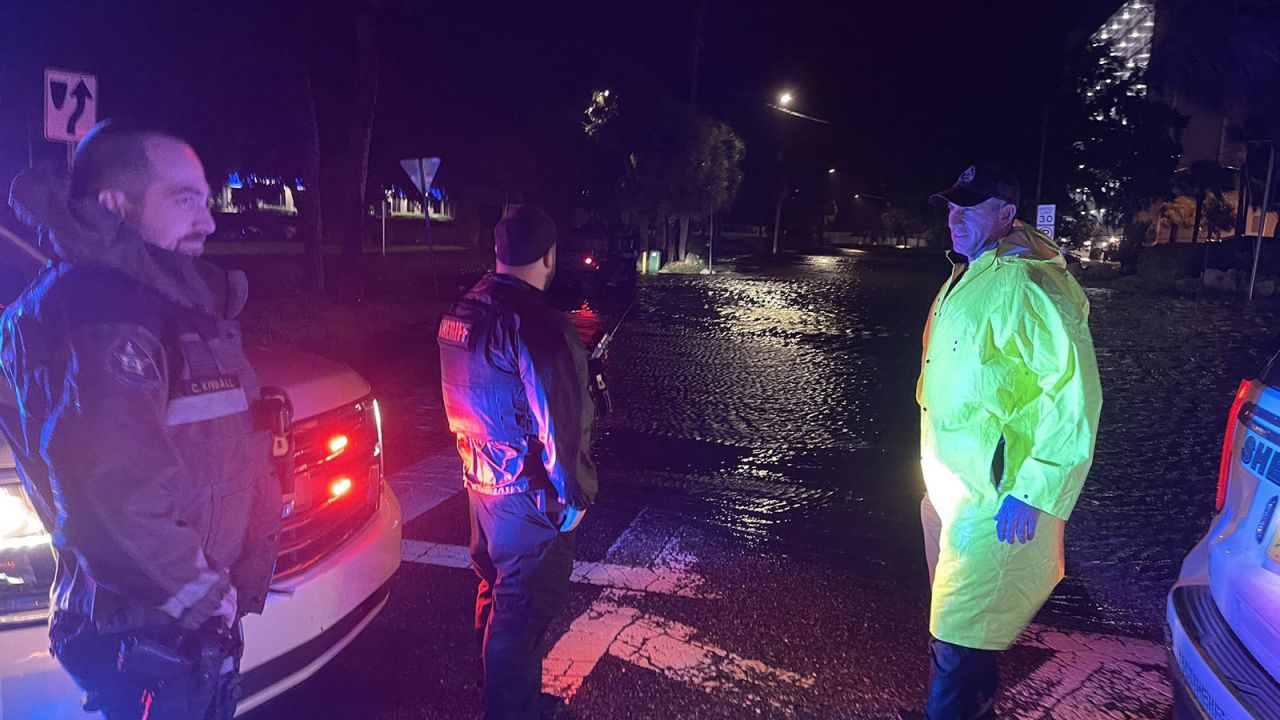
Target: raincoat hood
[
  {"x": 87, "y": 232},
  {"x": 1028, "y": 242}
]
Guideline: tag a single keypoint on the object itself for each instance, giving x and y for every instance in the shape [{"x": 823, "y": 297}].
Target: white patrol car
[{"x": 1224, "y": 611}]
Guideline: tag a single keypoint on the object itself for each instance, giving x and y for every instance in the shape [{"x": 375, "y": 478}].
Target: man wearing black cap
[
  {"x": 514, "y": 375},
  {"x": 1009, "y": 401}
]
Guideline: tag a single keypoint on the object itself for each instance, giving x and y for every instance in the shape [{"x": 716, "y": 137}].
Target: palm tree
[
  {"x": 1225, "y": 57},
  {"x": 1200, "y": 180},
  {"x": 1222, "y": 55}
]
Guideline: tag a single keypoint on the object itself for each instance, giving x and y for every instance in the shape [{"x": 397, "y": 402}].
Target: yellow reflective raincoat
[{"x": 1007, "y": 355}]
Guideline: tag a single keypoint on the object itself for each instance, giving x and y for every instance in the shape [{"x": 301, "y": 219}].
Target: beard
[{"x": 190, "y": 245}]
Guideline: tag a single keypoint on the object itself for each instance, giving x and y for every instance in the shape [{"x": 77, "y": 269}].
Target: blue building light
[{"x": 234, "y": 182}]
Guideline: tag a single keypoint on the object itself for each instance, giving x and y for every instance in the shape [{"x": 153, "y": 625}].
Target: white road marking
[
  {"x": 670, "y": 648},
  {"x": 612, "y": 625},
  {"x": 1089, "y": 676},
  {"x": 588, "y": 638},
  {"x": 430, "y": 553},
  {"x": 662, "y": 581},
  {"x": 427, "y": 483}
]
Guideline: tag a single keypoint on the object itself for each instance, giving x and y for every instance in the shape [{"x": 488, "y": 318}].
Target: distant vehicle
[
  {"x": 339, "y": 547},
  {"x": 1224, "y": 611},
  {"x": 589, "y": 263}
]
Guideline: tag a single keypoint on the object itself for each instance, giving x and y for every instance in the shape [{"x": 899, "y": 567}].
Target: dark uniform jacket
[
  {"x": 514, "y": 376},
  {"x": 133, "y": 428}
]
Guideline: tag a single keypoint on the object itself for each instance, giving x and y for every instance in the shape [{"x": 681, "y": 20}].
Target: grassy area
[{"x": 399, "y": 293}]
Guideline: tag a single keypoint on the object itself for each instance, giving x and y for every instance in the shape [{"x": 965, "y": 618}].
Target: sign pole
[
  {"x": 426, "y": 218},
  {"x": 1262, "y": 221},
  {"x": 711, "y": 235},
  {"x": 383, "y": 205}
]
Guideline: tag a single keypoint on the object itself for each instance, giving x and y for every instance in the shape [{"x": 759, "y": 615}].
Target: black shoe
[{"x": 553, "y": 707}]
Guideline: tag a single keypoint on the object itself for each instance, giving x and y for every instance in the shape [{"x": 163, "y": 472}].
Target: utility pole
[
  {"x": 1044, "y": 134},
  {"x": 782, "y": 194},
  {"x": 699, "y": 25}
]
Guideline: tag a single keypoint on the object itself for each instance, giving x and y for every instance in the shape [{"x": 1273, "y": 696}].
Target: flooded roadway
[{"x": 756, "y": 548}]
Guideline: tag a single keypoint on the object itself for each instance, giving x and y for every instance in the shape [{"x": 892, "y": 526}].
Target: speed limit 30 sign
[{"x": 1046, "y": 218}]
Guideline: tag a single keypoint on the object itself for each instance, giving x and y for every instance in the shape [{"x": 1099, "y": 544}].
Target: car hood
[{"x": 315, "y": 384}]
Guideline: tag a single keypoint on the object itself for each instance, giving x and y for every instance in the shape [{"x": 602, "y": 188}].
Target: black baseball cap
[
  {"x": 523, "y": 235},
  {"x": 980, "y": 182}
]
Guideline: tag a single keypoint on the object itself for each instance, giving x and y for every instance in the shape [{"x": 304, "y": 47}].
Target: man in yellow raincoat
[{"x": 1009, "y": 402}]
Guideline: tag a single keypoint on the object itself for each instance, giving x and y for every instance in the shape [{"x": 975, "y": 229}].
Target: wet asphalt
[{"x": 763, "y": 451}]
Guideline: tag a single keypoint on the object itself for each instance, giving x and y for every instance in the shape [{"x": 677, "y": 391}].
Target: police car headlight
[{"x": 26, "y": 559}]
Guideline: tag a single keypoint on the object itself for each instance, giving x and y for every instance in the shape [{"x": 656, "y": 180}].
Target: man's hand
[
  {"x": 215, "y": 602},
  {"x": 575, "y": 507},
  {"x": 1016, "y": 521},
  {"x": 229, "y": 610},
  {"x": 570, "y": 518}
]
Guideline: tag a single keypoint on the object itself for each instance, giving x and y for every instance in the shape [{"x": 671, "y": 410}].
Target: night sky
[{"x": 914, "y": 91}]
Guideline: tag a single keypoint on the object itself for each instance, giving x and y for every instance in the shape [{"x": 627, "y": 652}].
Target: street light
[
  {"x": 831, "y": 171},
  {"x": 785, "y": 98}
]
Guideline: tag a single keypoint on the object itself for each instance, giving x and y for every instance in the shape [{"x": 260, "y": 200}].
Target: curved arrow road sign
[{"x": 70, "y": 104}]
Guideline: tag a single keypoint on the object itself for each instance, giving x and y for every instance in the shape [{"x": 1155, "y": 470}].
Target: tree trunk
[
  {"x": 666, "y": 239},
  {"x": 310, "y": 218},
  {"x": 683, "y": 248},
  {"x": 1195, "y": 226},
  {"x": 363, "y": 102},
  {"x": 1130, "y": 244},
  {"x": 1243, "y": 198}
]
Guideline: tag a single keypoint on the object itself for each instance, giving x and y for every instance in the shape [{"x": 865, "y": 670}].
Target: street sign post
[
  {"x": 70, "y": 104},
  {"x": 422, "y": 171},
  {"x": 1046, "y": 219}
]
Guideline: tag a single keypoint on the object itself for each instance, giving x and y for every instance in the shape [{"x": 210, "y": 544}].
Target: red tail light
[
  {"x": 1224, "y": 467},
  {"x": 339, "y": 488}
]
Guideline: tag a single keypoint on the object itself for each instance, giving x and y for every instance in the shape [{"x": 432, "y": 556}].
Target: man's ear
[
  {"x": 114, "y": 201},
  {"x": 1008, "y": 213},
  {"x": 549, "y": 259}
]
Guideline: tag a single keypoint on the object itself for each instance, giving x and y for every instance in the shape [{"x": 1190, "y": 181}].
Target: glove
[{"x": 1016, "y": 521}]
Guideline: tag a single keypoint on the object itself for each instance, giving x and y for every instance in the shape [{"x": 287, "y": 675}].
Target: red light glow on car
[
  {"x": 340, "y": 487},
  {"x": 1228, "y": 442}
]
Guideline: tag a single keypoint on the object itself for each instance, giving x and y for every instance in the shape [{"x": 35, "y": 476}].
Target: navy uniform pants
[
  {"x": 962, "y": 682},
  {"x": 523, "y": 562}
]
